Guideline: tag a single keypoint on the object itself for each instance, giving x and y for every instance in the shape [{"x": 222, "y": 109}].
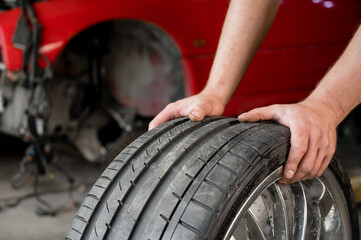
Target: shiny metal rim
[{"x": 312, "y": 209}]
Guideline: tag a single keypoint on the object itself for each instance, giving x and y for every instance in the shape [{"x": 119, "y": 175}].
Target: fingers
[
  {"x": 259, "y": 114},
  {"x": 326, "y": 161},
  {"x": 316, "y": 166},
  {"x": 172, "y": 112},
  {"x": 299, "y": 146},
  {"x": 317, "y": 155},
  {"x": 169, "y": 112},
  {"x": 328, "y": 157},
  {"x": 198, "y": 113},
  {"x": 313, "y": 137},
  {"x": 195, "y": 107},
  {"x": 305, "y": 171},
  {"x": 306, "y": 167}
]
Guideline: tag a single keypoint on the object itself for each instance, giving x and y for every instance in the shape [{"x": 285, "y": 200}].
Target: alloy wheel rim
[{"x": 311, "y": 209}]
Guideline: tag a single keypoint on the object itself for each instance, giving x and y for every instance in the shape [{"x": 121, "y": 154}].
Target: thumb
[
  {"x": 197, "y": 114},
  {"x": 258, "y": 114}
]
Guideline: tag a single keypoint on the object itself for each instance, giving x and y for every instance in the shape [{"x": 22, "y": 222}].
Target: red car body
[{"x": 305, "y": 39}]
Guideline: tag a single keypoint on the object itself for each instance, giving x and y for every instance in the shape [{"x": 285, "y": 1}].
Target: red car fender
[
  {"x": 63, "y": 19},
  {"x": 305, "y": 39}
]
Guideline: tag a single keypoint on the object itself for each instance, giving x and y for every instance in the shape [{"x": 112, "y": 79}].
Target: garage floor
[{"x": 21, "y": 222}]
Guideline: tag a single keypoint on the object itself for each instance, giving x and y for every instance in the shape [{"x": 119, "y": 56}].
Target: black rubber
[{"x": 185, "y": 180}]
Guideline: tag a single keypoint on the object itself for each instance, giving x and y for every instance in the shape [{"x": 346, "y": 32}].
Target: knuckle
[
  {"x": 299, "y": 141},
  {"x": 292, "y": 165},
  {"x": 328, "y": 148},
  {"x": 200, "y": 106},
  {"x": 326, "y": 143},
  {"x": 319, "y": 136},
  {"x": 170, "y": 105},
  {"x": 306, "y": 168},
  {"x": 303, "y": 125},
  {"x": 332, "y": 151},
  {"x": 300, "y": 149}
]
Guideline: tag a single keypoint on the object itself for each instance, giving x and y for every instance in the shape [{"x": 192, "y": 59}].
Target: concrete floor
[{"x": 21, "y": 222}]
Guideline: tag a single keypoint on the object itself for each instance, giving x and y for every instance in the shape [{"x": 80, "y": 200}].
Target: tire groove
[
  {"x": 189, "y": 227},
  {"x": 107, "y": 178},
  {"x": 250, "y": 146},
  {"x": 76, "y": 230},
  {"x": 80, "y": 218},
  {"x": 88, "y": 207},
  {"x": 97, "y": 185},
  {"x": 93, "y": 196},
  {"x": 204, "y": 206},
  {"x": 268, "y": 134},
  {"x": 215, "y": 185},
  {"x": 241, "y": 157},
  {"x": 228, "y": 169},
  {"x": 95, "y": 230}
]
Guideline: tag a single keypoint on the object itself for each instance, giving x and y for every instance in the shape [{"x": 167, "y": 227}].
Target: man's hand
[
  {"x": 195, "y": 107},
  {"x": 313, "y": 136},
  {"x": 246, "y": 24}
]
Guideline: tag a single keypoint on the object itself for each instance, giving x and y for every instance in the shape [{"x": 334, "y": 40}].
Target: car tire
[{"x": 215, "y": 179}]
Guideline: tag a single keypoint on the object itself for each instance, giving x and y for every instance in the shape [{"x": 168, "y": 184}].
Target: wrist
[
  {"x": 332, "y": 110},
  {"x": 217, "y": 93}
]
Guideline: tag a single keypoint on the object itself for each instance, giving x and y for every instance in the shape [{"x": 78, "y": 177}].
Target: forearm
[
  {"x": 340, "y": 89},
  {"x": 247, "y": 23}
]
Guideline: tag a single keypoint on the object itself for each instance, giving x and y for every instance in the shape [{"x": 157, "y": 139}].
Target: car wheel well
[{"x": 138, "y": 61}]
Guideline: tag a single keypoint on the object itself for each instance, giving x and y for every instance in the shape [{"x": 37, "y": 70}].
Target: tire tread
[{"x": 145, "y": 195}]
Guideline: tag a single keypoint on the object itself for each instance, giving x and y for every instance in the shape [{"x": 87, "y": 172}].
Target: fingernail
[
  {"x": 289, "y": 174},
  {"x": 195, "y": 114},
  {"x": 241, "y": 117}
]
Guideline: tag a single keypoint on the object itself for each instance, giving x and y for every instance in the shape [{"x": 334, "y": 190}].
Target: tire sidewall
[{"x": 244, "y": 187}]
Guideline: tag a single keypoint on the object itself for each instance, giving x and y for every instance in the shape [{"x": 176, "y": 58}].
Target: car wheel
[{"x": 215, "y": 179}]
